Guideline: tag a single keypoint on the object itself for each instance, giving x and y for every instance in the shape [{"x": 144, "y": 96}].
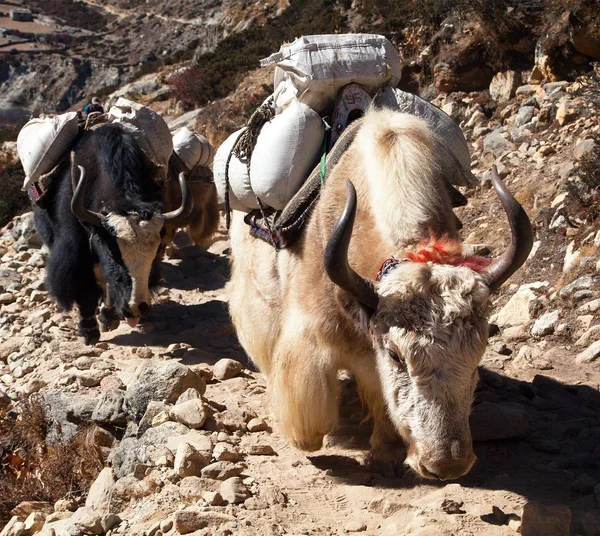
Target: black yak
[{"x": 102, "y": 222}]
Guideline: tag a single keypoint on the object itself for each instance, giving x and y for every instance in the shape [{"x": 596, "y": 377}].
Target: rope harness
[{"x": 244, "y": 147}]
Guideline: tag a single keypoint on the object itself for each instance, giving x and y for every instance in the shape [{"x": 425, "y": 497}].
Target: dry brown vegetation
[{"x": 34, "y": 470}]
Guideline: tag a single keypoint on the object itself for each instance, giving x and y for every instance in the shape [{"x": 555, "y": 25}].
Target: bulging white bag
[
  {"x": 454, "y": 155},
  {"x": 314, "y": 68},
  {"x": 42, "y": 142},
  {"x": 148, "y": 128},
  {"x": 287, "y": 149},
  {"x": 193, "y": 149},
  {"x": 241, "y": 196}
]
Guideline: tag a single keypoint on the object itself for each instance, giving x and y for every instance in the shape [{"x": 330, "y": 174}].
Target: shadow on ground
[{"x": 553, "y": 459}]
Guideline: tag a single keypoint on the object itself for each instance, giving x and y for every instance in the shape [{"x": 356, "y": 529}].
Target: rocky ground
[{"x": 179, "y": 420}]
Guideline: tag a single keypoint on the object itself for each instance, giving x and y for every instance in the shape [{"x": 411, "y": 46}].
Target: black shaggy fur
[{"x": 119, "y": 180}]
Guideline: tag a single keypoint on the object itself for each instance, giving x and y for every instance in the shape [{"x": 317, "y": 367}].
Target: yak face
[
  {"x": 429, "y": 333},
  {"x": 127, "y": 245}
]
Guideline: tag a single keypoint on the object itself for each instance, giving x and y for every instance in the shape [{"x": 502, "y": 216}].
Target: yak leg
[
  {"x": 304, "y": 389},
  {"x": 108, "y": 317},
  {"x": 387, "y": 448},
  {"x": 70, "y": 278}
]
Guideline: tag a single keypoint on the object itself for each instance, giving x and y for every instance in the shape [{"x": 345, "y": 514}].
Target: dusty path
[{"x": 550, "y": 455}]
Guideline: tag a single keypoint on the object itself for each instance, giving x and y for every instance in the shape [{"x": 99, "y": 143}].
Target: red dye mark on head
[{"x": 447, "y": 251}]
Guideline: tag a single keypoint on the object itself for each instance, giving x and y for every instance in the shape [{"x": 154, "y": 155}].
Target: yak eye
[{"x": 394, "y": 355}]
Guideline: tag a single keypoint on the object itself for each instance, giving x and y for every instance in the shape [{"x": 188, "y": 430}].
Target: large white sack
[
  {"x": 287, "y": 149},
  {"x": 193, "y": 149},
  {"x": 42, "y": 142},
  {"x": 314, "y": 68},
  {"x": 241, "y": 196},
  {"x": 454, "y": 153},
  {"x": 148, "y": 128}
]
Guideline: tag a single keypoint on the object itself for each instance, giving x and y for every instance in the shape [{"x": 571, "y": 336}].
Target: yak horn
[
  {"x": 78, "y": 202},
  {"x": 336, "y": 256},
  {"x": 187, "y": 202},
  {"x": 521, "y": 240}
]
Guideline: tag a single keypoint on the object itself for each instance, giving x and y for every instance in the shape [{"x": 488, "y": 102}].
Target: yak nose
[
  {"x": 454, "y": 464},
  {"x": 144, "y": 308},
  {"x": 446, "y": 469}
]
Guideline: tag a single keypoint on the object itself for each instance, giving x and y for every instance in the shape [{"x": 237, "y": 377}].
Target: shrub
[{"x": 33, "y": 470}]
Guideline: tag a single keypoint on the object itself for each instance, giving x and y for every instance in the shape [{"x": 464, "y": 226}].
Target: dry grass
[{"x": 33, "y": 470}]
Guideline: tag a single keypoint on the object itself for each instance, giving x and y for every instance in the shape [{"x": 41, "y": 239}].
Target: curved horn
[
  {"x": 521, "y": 241},
  {"x": 187, "y": 202},
  {"x": 78, "y": 202},
  {"x": 335, "y": 258}
]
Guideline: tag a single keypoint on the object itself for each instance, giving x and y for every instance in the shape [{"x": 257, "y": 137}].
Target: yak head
[
  {"x": 428, "y": 324},
  {"x": 126, "y": 238}
]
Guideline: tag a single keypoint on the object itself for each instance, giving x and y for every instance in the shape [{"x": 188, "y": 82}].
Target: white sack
[
  {"x": 241, "y": 196},
  {"x": 314, "y": 68},
  {"x": 454, "y": 151},
  {"x": 287, "y": 149},
  {"x": 193, "y": 149},
  {"x": 148, "y": 128},
  {"x": 42, "y": 142}
]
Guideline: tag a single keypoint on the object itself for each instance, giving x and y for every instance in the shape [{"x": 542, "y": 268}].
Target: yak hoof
[
  {"x": 388, "y": 462},
  {"x": 108, "y": 319},
  {"x": 109, "y": 326},
  {"x": 88, "y": 329}
]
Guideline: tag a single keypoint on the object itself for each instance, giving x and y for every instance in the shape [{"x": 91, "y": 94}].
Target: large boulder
[
  {"x": 163, "y": 382},
  {"x": 504, "y": 85}
]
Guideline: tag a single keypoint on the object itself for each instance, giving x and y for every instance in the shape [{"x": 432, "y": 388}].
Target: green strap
[{"x": 324, "y": 151}]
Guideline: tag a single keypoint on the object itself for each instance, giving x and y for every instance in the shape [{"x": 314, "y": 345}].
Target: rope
[
  {"x": 244, "y": 147},
  {"x": 323, "y": 169}
]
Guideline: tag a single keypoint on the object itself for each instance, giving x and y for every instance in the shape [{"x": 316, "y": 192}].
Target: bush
[
  {"x": 13, "y": 201},
  {"x": 220, "y": 71},
  {"x": 33, "y": 470}
]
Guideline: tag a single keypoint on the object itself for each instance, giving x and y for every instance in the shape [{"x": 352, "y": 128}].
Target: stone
[
  {"x": 213, "y": 498},
  {"x": 34, "y": 522},
  {"x": 224, "y": 452},
  {"x": 491, "y": 421},
  {"x": 538, "y": 519},
  {"x": 504, "y": 86},
  {"x": 25, "y": 508},
  {"x": 221, "y": 470},
  {"x": 524, "y": 116},
  {"x": 545, "y": 324},
  {"x": 589, "y": 307},
  {"x": 497, "y": 144},
  {"x": 189, "y": 394},
  {"x": 15, "y": 527},
  {"x": 190, "y": 488},
  {"x": 568, "y": 110},
  {"x": 110, "y": 408},
  {"x": 260, "y": 450},
  {"x": 589, "y": 354},
  {"x": 584, "y": 483},
  {"x": 100, "y": 492},
  {"x": 202, "y": 443},
  {"x": 192, "y": 413},
  {"x": 161, "y": 382},
  {"x": 88, "y": 521},
  {"x": 589, "y": 523},
  {"x": 234, "y": 491},
  {"x": 166, "y": 525},
  {"x": 517, "y": 310},
  {"x": 192, "y": 519},
  {"x": 154, "y": 408},
  {"x": 257, "y": 425},
  {"x": 110, "y": 521},
  {"x": 225, "y": 369},
  {"x": 65, "y": 505},
  {"x": 188, "y": 461},
  {"x": 581, "y": 283},
  {"x": 582, "y": 148}
]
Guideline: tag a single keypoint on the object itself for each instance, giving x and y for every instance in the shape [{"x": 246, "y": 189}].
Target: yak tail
[{"x": 403, "y": 174}]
